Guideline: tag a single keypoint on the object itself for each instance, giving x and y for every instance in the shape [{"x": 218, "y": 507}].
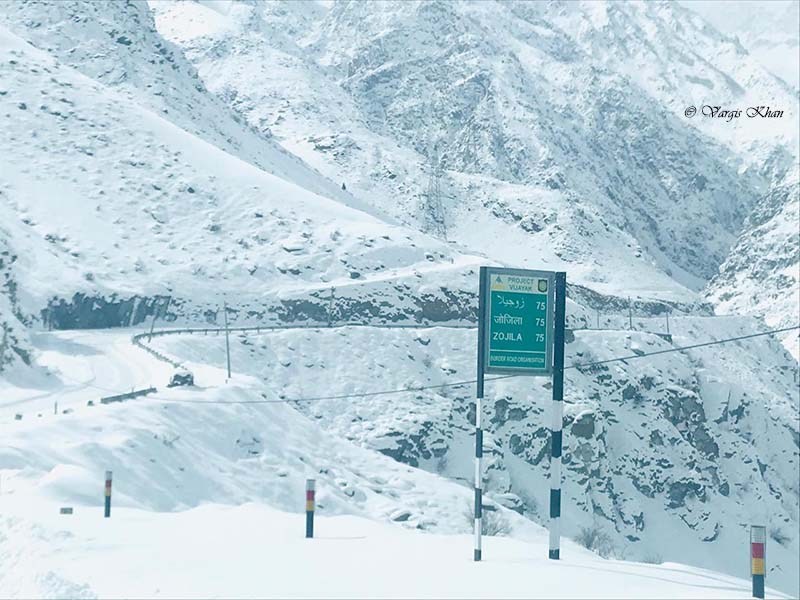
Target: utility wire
[
  {"x": 712, "y": 343},
  {"x": 456, "y": 384}
]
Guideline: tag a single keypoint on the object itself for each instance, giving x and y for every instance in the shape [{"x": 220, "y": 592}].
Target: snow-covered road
[{"x": 84, "y": 365}]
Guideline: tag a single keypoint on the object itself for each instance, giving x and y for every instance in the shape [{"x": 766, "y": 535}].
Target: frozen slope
[
  {"x": 550, "y": 133},
  {"x": 109, "y": 200},
  {"x": 117, "y": 45},
  {"x": 667, "y": 457},
  {"x": 224, "y": 506}
]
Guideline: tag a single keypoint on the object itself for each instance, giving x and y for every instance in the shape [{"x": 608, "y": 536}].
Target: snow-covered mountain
[
  {"x": 769, "y": 31},
  {"x": 762, "y": 273},
  {"x": 116, "y": 44},
  {"x": 558, "y": 127},
  {"x": 111, "y": 202},
  {"x": 317, "y": 162}
]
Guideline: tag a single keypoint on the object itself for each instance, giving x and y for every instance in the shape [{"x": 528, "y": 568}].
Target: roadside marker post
[
  {"x": 310, "y": 483},
  {"x": 521, "y": 322},
  {"x": 227, "y": 341},
  {"x": 108, "y": 495},
  {"x": 758, "y": 558}
]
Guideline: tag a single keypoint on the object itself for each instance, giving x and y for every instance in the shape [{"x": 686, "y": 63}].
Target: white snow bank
[{"x": 258, "y": 552}]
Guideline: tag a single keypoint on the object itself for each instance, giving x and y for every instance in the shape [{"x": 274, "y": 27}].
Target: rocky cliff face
[
  {"x": 760, "y": 276},
  {"x": 14, "y": 345}
]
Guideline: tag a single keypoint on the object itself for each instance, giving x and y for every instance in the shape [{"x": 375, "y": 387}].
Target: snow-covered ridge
[
  {"x": 553, "y": 167},
  {"x": 769, "y": 33},
  {"x": 116, "y": 44},
  {"x": 105, "y": 197}
]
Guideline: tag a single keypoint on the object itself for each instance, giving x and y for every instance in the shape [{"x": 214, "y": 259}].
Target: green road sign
[{"x": 517, "y": 321}]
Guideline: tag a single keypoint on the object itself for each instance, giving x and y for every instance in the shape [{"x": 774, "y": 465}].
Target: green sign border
[{"x": 485, "y": 321}]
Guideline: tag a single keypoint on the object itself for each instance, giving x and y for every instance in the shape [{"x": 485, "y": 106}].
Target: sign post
[
  {"x": 520, "y": 332},
  {"x": 558, "y": 416},
  {"x": 478, "y": 509},
  {"x": 758, "y": 558}
]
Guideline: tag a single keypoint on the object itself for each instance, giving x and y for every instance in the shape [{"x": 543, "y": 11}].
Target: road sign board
[{"x": 517, "y": 321}]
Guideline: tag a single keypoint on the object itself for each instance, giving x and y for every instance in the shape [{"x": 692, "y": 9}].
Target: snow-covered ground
[
  {"x": 687, "y": 446},
  {"x": 166, "y": 457},
  {"x": 254, "y": 551},
  {"x": 222, "y": 504}
]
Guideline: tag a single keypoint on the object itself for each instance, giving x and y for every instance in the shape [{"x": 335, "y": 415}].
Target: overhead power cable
[{"x": 455, "y": 384}]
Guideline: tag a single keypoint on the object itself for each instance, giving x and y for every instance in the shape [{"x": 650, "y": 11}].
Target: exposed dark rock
[
  {"x": 678, "y": 491},
  {"x": 583, "y": 427},
  {"x": 97, "y": 312}
]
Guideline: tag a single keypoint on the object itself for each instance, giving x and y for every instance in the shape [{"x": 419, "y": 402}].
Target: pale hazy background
[{"x": 769, "y": 30}]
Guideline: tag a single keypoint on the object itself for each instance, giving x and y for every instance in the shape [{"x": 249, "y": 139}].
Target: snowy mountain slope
[
  {"x": 665, "y": 456},
  {"x": 116, "y": 44},
  {"x": 762, "y": 273},
  {"x": 769, "y": 31},
  {"x": 110, "y": 201},
  {"x": 166, "y": 458},
  {"x": 681, "y": 61},
  {"x": 176, "y": 479},
  {"x": 591, "y": 177},
  {"x": 552, "y": 158}
]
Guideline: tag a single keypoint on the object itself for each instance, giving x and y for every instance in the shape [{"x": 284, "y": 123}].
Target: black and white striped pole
[
  {"x": 478, "y": 490},
  {"x": 557, "y": 415},
  {"x": 478, "y": 510}
]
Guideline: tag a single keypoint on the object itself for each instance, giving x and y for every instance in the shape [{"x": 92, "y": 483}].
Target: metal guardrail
[
  {"x": 139, "y": 337},
  {"x": 127, "y": 396}
]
